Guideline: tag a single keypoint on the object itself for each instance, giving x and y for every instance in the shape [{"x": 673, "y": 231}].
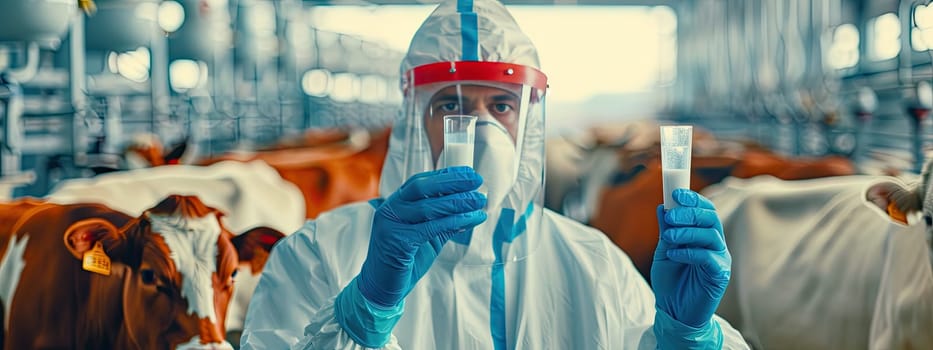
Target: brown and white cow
[
  {"x": 331, "y": 167},
  {"x": 252, "y": 194},
  {"x": 170, "y": 277}
]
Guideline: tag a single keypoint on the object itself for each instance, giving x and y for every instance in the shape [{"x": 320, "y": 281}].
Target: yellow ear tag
[
  {"x": 96, "y": 260},
  {"x": 87, "y": 6}
]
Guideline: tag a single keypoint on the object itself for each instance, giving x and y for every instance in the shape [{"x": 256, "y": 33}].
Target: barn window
[
  {"x": 637, "y": 51},
  {"x": 372, "y": 89},
  {"x": 346, "y": 87}
]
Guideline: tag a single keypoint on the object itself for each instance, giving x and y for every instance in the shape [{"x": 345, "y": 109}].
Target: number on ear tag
[{"x": 96, "y": 260}]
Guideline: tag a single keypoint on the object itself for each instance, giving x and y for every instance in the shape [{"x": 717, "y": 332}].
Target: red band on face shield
[{"x": 476, "y": 71}]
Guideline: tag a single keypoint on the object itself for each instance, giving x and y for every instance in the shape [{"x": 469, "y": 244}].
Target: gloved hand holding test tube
[{"x": 676, "y": 146}]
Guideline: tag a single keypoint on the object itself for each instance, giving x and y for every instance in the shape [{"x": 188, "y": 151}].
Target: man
[{"x": 464, "y": 259}]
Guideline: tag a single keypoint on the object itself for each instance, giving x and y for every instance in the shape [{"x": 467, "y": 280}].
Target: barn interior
[{"x": 797, "y": 107}]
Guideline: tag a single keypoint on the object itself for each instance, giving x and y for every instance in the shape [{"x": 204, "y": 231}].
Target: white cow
[
  {"x": 817, "y": 264},
  {"x": 250, "y": 194}
]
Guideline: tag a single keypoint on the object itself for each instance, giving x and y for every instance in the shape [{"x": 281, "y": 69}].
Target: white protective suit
[{"x": 570, "y": 289}]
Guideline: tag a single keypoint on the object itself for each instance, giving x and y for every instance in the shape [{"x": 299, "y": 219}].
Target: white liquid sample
[
  {"x": 675, "y": 157},
  {"x": 458, "y": 154},
  {"x": 673, "y": 179}
]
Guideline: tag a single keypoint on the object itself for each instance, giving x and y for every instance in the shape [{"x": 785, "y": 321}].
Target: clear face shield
[{"x": 490, "y": 116}]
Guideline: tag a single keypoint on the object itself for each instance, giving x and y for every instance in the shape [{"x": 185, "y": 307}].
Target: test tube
[
  {"x": 676, "y": 147},
  {"x": 459, "y": 138}
]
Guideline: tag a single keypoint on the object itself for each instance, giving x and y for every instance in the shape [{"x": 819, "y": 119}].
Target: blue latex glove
[
  {"x": 692, "y": 265},
  {"x": 411, "y": 227}
]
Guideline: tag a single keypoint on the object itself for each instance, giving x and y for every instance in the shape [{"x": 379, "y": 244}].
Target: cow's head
[
  {"x": 146, "y": 151},
  {"x": 180, "y": 266}
]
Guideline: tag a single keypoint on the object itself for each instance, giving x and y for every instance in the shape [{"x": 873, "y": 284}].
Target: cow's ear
[
  {"x": 174, "y": 155},
  {"x": 895, "y": 199},
  {"x": 254, "y": 246},
  {"x": 81, "y": 236}
]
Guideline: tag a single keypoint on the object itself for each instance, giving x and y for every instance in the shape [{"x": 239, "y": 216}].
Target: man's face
[{"x": 477, "y": 100}]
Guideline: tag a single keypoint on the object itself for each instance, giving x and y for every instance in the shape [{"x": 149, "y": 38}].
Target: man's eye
[
  {"x": 503, "y": 107},
  {"x": 449, "y": 107}
]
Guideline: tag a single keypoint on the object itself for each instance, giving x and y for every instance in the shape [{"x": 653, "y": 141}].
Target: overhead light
[
  {"x": 184, "y": 75},
  {"x": 171, "y": 16},
  {"x": 134, "y": 65},
  {"x": 923, "y": 16},
  {"x": 316, "y": 82}
]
